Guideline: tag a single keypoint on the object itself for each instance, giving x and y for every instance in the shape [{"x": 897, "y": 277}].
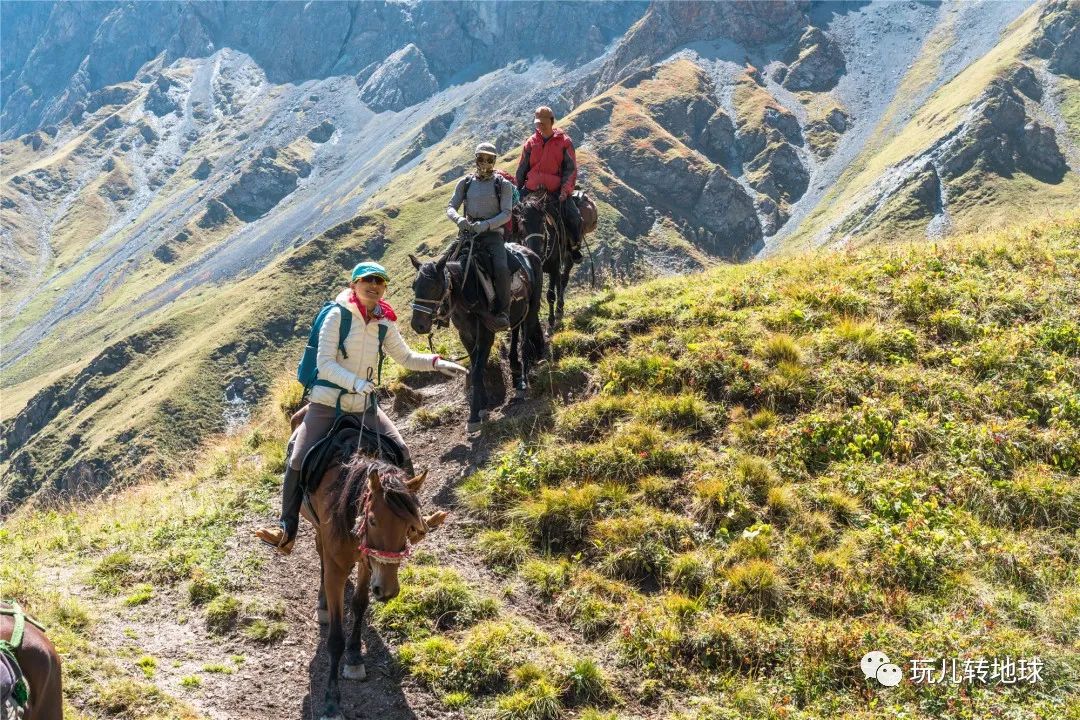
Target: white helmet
[{"x": 485, "y": 148}]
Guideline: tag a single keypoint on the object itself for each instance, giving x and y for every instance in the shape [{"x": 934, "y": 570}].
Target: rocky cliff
[
  {"x": 184, "y": 165},
  {"x": 55, "y": 55}
]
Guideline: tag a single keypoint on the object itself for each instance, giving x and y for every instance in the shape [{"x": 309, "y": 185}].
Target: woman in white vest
[{"x": 351, "y": 372}]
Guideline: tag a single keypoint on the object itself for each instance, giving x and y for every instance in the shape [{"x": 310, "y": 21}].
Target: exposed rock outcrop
[
  {"x": 217, "y": 214},
  {"x": 403, "y": 80},
  {"x": 1001, "y": 138},
  {"x": 203, "y": 171},
  {"x": 725, "y": 209},
  {"x": 158, "y": 100},
  {"x": 778, "y": 172},
  {"x": 322, "y": 132},
  {"x": 265, "y": 182},
  {"x": 838, "y": 120},
  {"x": 432, "y": 132},
  {"x": 1059, "y": 39},
  {"x": 668, "y": 25},
  {"x": 815, "y": 62},
  {"x": 1023, "y": 79},
  {"x": 115, "y": 95}
]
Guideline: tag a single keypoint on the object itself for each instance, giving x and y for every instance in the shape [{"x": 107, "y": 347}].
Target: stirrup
[{"x": 277, "y": 538}]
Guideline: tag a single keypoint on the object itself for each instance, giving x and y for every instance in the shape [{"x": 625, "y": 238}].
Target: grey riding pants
[
  {"x": 317, "y": 423},
  {"x": 492, "y": 243}
]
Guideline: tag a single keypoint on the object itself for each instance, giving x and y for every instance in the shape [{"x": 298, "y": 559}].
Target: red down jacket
[{"x": 550, "y": 165}]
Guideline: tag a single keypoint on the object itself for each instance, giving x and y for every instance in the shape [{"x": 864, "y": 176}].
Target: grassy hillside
[
  {"x": 730, "y": 487},
  {"x": 767, "y": 471}
]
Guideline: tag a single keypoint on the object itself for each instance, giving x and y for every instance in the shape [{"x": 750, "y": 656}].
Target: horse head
[
  {"x": 389, "y": 523},
  {"x": 430, "y": 290},
  {"x": 534, "y": 219}
]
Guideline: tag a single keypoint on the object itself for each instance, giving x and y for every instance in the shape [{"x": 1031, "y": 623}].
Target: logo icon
[
  {"x": 889, "y": 675},
  {"x": 875, "y": 664}
]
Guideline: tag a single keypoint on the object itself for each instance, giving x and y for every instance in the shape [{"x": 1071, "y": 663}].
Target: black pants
[
  {"x": 570, "y": 214},
  {"x": 572, "y": 217},
  {"x": 491, "y": 242}
]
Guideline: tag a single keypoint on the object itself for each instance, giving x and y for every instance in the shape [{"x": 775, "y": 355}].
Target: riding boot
[{"x": 292, "y": 497}]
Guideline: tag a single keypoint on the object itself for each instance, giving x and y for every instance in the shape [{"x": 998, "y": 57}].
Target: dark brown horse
[
  {"x": 544, "y": 234},
  {"x": 40, "y": 665},
  {"x": 366, "y": 515},
  {"x": 440, "y": 293}
]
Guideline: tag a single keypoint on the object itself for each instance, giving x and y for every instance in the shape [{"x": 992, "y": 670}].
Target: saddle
[
  {"x": 517, "y": 264},
  {"x": 346, "y": 435}
]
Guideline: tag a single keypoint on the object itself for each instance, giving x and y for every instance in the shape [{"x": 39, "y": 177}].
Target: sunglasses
[
  {"x": 374, "y": 279},
  {"x": 485, "y": 161}
]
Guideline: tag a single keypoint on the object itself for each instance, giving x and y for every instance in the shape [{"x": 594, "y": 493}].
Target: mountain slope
[
  {"x": 727, "y": 489},
  {"x": 174, "y": 228}
]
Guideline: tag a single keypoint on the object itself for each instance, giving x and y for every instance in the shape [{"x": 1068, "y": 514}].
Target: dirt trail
[{"x": 286, "y": 680}]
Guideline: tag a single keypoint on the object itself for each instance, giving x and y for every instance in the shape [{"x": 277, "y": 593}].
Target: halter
[
  {"x": 439, "y": 310},
  {"x": 549, "y": 219},
  {"x": 382, "y": 557}
]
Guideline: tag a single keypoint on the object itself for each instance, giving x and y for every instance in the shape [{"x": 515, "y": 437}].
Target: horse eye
[{"x": 371, "y": 521}]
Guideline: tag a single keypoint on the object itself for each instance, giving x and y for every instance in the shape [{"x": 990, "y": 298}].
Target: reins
[{"x": 440, "y": 315}]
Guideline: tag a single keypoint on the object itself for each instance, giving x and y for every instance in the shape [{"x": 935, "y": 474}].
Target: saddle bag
[{"x": 587, "y": 208}]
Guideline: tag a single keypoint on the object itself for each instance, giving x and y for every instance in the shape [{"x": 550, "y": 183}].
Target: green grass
[
  {"x": 76, "y": 566},
  {"x": 745, "y": 480},
  {"x": 768, "y": 469}
]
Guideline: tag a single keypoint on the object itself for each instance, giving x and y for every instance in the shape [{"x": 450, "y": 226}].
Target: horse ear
[
  {"x": 373, "y": 481},
  {"x": 440, "y": 265},
  {"x": 436, "y": 519},
  {"x": 414, "y": 484},
  {"x": 415, "y": 263}
]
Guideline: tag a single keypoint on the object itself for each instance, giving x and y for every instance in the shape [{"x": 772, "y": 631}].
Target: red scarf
[{"x": 383, "y": 310}]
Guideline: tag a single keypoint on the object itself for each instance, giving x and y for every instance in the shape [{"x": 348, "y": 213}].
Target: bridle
[
  {"x": 549, "y": 243},
  {"x": 439, "y": 310},
  {"x": 382, "y": 557}
]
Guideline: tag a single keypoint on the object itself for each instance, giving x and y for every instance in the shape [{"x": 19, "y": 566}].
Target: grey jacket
[{"x": 482, "y": 203}]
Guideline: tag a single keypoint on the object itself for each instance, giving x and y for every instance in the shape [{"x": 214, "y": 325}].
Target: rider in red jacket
[{"x": 548, "y": 165}]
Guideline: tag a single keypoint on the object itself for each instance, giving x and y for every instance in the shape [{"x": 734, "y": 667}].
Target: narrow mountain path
[{"x": 286, "y": 680}]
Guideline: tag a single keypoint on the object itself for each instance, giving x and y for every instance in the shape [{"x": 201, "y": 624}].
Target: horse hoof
[
  {"x": 337, "y": 716},
  {"x": 473, "y": 427},
  {"x": 324, "y": 616},
  {"x": 354, "y": 672},
  {"x": 485, "y": 414}
]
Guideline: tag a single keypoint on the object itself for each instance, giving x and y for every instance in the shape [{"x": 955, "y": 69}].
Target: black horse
[
  {"x": 441, "y": 293},
  {"x": 545, "y": 235}
]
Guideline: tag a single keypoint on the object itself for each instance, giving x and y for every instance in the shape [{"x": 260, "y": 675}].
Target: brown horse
[
  {"x": 366, "y": 515},
  {"x": 40, "y": 665}
]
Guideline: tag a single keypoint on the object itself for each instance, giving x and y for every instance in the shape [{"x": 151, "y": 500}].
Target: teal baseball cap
[{"x": 369, "y": 268}]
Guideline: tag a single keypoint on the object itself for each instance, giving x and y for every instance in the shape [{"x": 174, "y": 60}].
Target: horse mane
[
  {"x": 351, "y": 483},
  {"x": 535, "y": 201}
]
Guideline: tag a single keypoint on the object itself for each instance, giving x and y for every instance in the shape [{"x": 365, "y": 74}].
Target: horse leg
[
  {"x": 334, "y": 580},
  {"x": 354, "y": 650},
  {"x": 50, "y": 699},
  {"x": 476, "y": 396},
  {"x": 516, "y": 373},
  {"x": 564, "y": 279},
  {"x": 324, "y": 616},
  {"x": 553, "y": 279},
  {"x": 487, "y": 342}
]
